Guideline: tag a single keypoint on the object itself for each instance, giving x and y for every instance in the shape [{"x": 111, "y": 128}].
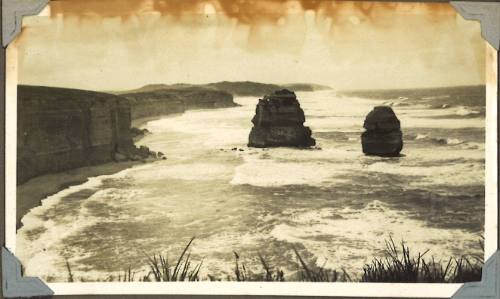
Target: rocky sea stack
[
  {"x": 279, "y": 121},
  {"x": 383, "y": 135}
]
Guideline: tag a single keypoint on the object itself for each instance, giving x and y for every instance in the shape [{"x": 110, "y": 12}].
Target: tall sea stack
[
  {"x": 279, "y": 121},
  {"x": 383, "y": 135}
]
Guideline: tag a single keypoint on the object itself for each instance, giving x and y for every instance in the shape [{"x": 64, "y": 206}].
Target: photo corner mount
[
  {"x": 487, "y": 13},
  {"x": 13, "y": 12},
  {"x": 14, "y": 285}
]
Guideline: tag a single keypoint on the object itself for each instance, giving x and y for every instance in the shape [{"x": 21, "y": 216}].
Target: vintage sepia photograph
[{"x": 273, "y": 140}]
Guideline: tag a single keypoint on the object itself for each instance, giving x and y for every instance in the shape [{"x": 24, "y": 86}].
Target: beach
[{"x": 31, "y": 193}]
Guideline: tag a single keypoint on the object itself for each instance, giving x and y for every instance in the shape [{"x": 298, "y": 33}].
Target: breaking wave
[{"x": 336, "y": 203}]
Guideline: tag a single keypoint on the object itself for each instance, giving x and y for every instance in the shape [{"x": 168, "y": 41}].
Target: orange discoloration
[
  {"x": 246, "y": 11},
  {"x": 491, "y": 66},
  {"x": 346, "y": 43}
]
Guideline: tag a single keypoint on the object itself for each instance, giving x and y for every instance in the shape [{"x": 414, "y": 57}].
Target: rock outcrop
[
  {"x": 153, "y": 104},
  {"x": 176, "y": 100},
  {"x": 278, "y": 121},
  {"x": 138, "y": 134},
  {"x": 383, "y": 136},
  {"x": 61, "y": 129}
]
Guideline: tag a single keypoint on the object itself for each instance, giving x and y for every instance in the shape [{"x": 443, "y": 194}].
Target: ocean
[{"x": 336, "y": 206}]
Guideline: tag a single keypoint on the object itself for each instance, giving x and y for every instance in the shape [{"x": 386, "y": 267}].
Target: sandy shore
[
  {"x": 31, "y": 193},
  {"x": 140, "y": 122}
]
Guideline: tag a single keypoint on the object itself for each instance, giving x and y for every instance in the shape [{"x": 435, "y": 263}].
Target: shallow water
[{"x": 332, "y": 203}]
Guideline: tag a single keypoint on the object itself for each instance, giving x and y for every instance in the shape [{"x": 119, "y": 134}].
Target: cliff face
[
  {"x": 246, "y": 88},
  {"x": 383, "y": 136},
  {"x": 203, "y": 98},
  {"x": 168, "y": 101},
  {"x": 153, "y": 104},
  {"x": 278, "y": 121},
  {"x": 61, "y": 129}
]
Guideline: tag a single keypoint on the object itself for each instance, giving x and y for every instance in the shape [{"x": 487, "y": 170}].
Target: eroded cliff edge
[
  {"x": 61, "y": 129},
  {"x": 176, "y": 100}
]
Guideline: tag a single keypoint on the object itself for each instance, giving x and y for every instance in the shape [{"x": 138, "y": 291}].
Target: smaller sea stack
[
  {"x": 383, "y": 135},
  {"x": 279, "y": 121}
]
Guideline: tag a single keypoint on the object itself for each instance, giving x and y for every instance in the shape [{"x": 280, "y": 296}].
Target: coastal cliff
[
  {"x": 278, "y": 121},
  {"x": 149, "y": 104},
  {"x": 61, "y": 129},
  {"x": 167, "y": 101}
]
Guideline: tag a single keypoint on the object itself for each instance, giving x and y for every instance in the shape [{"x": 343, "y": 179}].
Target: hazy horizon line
[{"x": 258, "y": 82}]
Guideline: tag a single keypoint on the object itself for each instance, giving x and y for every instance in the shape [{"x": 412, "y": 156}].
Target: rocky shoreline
[
  {"x": 67, "y": 135},
  {"x": 31, "y": 193},
  {"x": 61, "y": 129}
]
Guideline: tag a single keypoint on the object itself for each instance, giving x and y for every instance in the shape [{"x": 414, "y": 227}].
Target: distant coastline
[{"x": 239, "y": 88}]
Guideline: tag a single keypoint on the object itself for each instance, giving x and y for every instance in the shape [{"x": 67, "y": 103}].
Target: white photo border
[{"x": 381, "y": 290}]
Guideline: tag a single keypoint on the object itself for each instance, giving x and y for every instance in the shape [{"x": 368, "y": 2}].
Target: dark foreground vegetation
[{"x": 397, "y": 264}]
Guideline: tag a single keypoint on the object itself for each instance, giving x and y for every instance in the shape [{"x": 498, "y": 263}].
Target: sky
[{"x": 125, "y": 44}]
